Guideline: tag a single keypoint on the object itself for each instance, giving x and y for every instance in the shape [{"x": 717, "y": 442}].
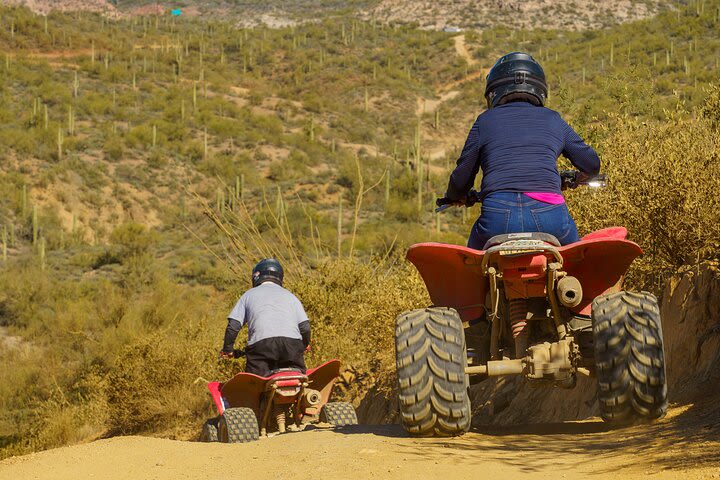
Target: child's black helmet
[
  {"x": 267, "y": 270},
  {"x": 516, "y": 76}
]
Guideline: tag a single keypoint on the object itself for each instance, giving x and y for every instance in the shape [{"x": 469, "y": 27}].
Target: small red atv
[
  {"x": 250, "y": 406},
  {"x": 524, "y": 305}
]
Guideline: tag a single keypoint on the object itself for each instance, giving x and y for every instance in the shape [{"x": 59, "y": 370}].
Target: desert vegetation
[{"x": 147, "y": 162}]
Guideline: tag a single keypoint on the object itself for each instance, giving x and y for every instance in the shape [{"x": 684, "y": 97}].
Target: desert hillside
[
  {"x": 148, "y": 161},
  {"x": 436, "y": 15},
  {"x": 577, "y": 15}
]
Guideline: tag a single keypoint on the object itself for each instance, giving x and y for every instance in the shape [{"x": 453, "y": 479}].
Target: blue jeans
[{"x": 508, "y": 212}]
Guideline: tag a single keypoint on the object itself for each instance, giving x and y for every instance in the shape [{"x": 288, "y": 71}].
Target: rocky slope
[
  {"x": 577, "y": 15},
  {"x": 430, "y": 14},
  {"x": 44, "y": 7}
]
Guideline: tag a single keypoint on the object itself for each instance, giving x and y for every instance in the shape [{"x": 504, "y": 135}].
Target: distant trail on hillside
[{"x": 462, "y": 50}]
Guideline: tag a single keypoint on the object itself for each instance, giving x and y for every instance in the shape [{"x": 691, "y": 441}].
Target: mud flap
[{"x": 214, "y": 388}]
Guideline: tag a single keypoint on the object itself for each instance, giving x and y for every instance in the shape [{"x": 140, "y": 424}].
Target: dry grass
[{"x": 664, "y": 184}]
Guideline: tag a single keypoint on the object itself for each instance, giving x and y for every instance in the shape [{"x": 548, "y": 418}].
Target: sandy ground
[{"x": 684, "y": 445}]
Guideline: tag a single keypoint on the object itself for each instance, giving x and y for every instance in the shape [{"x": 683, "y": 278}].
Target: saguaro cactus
[
  {"x": 339, "y": 228},
  {"x": 23, "y": 201},
  {"x": 71, "y": 120},
  {"x": 205, "y": 144},
  {"x": 76, "y": 85},
  {"x": 417, "y": 146},
  {"x": 419, "y": 189},
  {"x": 34, "y": 225},
  {"x": 60, "y": 143},
  {"x": 42, "y": 253}
]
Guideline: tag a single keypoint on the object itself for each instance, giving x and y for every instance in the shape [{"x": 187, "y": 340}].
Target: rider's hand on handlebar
[
  {"x": 439, "y": 202},
  {"x": 237, "y": 353}
]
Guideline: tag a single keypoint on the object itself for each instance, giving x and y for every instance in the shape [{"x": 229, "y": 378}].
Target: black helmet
[
  {"x": 516, "y": 76},
  {"x": 267, "y": 270}
]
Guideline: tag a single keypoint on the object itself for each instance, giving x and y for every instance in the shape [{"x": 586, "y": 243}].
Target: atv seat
[
  {"x": 543, "y": 237},
  {"x": 285, "y": 372}
]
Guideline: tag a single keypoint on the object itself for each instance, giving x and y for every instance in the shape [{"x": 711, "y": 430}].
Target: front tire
[
  {"x": 431, "y": 358},
  {"x": 238, "y": 425},
  {"x": 629, "y": 358}
]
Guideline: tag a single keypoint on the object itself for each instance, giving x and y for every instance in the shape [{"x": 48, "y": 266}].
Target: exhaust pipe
[
  {"x": 569, "y": 291},
  {"x": 312, "y": 398}
]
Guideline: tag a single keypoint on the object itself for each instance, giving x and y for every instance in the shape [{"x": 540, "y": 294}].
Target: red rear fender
[
  {"x": 453, "y": 276},
  {"x": 323, "y": 378},
  {"x": 600, "y": 264},
  {"x": 246, "y": 389}
]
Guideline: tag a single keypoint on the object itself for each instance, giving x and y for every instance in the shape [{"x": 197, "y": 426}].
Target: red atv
[
  {"x": 527, "y": 306},
  {"x": 250, "y": 406}
]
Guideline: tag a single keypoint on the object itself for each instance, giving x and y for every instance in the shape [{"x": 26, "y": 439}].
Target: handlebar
[
  {"x": 568, "y": 179},
  {"x": 470, "y": 199},
  {"x": 574, "y": 179},
  {"x": 237, "y": 353}
]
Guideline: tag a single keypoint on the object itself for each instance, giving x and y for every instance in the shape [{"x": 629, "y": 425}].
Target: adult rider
[{"x": 516, "y": 142}]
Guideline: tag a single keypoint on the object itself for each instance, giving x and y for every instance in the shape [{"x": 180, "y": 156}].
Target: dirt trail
[
  {"x": 685, "y": 445},
  {"x": 462, "y": 50}
]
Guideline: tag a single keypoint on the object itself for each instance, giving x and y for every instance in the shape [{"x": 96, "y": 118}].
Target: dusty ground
[{"x": 685, "y": 445}]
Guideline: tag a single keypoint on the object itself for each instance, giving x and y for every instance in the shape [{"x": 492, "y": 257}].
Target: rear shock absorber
[
  {"x": 279, "y": 412},
  {"x": 518, "y": 323}
]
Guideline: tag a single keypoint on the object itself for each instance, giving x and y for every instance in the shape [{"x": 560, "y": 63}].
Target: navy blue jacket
[{"x": 517, "y": 146}]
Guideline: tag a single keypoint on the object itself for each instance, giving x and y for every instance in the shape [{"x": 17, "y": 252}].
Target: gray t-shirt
[{"x": 269, "y": 311}]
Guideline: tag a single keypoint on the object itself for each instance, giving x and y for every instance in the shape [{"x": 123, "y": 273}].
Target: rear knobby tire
[
  {"x": 338, "y": 414},
  {"x": 431, "y": 359},
  {"x": 238, "y": 425},
  {"x": 629, "y": 358},
  {"x": 209, "y": 431}
]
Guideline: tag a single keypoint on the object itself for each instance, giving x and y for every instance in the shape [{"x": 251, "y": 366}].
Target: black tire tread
[
  {"x": 338, "y": 414},
  {"x": 238, "y": 425},
  {"x": 629, "y": 358},
  {"x": 431, "y": 358},
  {"x": 209, "y": 431}
]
